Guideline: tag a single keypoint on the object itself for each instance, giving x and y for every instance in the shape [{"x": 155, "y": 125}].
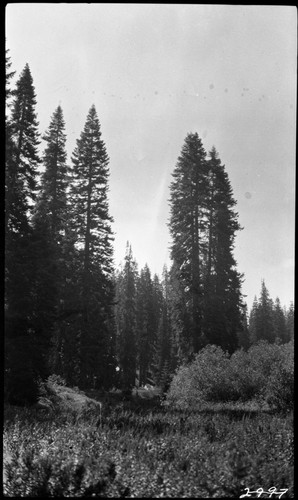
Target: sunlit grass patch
[{"x": 149, "y": 453}]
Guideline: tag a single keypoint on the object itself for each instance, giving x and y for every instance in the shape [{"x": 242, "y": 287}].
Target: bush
[
  {"x": 246, "y": 381},
  {"x": 265, "y": 372},
  {"x": 205, "y": 379},
  {"x": 280, "y": 386}
]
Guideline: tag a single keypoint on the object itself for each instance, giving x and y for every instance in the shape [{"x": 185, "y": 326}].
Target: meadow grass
[{"x": 152, "y": 451}]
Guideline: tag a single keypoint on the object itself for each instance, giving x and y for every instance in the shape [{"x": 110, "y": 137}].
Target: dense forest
[
  {"x": 68, "y": 310},
  {"x": 119, "y": 383}
]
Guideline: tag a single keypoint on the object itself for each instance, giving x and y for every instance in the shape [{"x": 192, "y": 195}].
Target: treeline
[
  {"x": 59, "y": 254},
  {"x": 68, "y": 311},
  {"x": 269, "y": 321}
]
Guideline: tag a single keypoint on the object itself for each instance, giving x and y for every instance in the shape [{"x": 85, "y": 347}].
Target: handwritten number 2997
[{"x": 259, "y": 492}]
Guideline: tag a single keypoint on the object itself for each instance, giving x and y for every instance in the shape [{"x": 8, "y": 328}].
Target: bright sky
[{"x": 156, "y": 72}]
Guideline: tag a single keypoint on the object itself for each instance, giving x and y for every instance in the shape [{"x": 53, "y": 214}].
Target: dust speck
[
  {"x": 211, "y": 86},
  {"x": 247, "y": 195}
]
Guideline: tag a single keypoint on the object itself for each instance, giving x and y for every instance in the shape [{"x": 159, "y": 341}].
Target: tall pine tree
[
  {"x": 126, "y": 321},
  {"x": 91, "y": 224},
  {"x": 187, "y": 228},
  {"x": 51, "y": 203},
  {"x": 279, "y": 321},
  {"x": 9, "y": 92},
  {"x": 203, "y": 224},
  {"x": 222, "y": 282},
  {"x": 49, "y": 222},
  {"x": 164, "y": 359},
  {"x": 23, "y": 355},
  {"x": 21, "y": 183},
  {"x": 261, "y": 321},
  {"x": 148, "y": 313},
  {"x": 290, "y": 313}
]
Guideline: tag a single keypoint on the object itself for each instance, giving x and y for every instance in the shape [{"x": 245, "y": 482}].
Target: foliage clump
[{"x": 265, "y": 372}]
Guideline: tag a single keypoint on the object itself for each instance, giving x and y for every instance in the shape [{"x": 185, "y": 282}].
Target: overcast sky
[{"x": 157, "y": 72}]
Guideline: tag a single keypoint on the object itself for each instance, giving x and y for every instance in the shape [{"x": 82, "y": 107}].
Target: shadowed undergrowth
[{"x": 138, "y": 451}]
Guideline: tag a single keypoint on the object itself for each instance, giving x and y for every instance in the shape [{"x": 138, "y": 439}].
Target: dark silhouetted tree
[
  {"x": 279, "y": 321},
  {"x": 164, "y": 359},
  {"x": 222, "y": 282},
  {"x": 203, "y": 224},
  {"x": 50, "y": 227},
  {"x": 187, "y": 228},
  {"x": 23, "y": 354},
  {"x": 21, "y": 183},
  {"x": 290, "y": 313},
  {"x": 126, "y": 324},
  {"x": 91, "y": 225},
  {"x": 261, "y": 321}
]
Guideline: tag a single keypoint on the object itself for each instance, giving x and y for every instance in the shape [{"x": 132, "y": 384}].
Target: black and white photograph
[{"x": 149, "y": 255}]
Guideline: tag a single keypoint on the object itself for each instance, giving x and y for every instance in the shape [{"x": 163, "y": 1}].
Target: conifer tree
[
  {"x": 148, "y": 310},
  {"x": 21, "y": 184},
  {"x": 23, "y": 357},
  {"x": 265, "y": 327},
  {"x": 9, "y": 93},
  {"x": 252, "y": 323},
  {"x": 126, "y": 322},
  {"x": 290, "y": 321},
  {"x": 279, "y": 322},
  {"x": 91, "y": 225},
  {"x": 9, "y": 145},
  {"x": 203, "y": 224},
  {"x": 144, "y": 314},
  {"x": 180, "y": 318},
  {"x": 261, "y": 321},
  {"x": 51, "y": 203},
  {"x": 243, "y": 332},
  {"x": 164, "y": 361},
  {"x": 222, "y": 290},
  {"x": 50, "y": 227},
  {"x": 187, "y": 228}
]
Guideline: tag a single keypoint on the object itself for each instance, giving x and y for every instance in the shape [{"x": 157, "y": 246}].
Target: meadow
[
  {"x": 224, "y": 428},
  {"x": 146, "y": 449}
]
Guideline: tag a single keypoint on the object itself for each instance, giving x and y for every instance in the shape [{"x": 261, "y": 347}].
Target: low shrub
[
  {"x": 280, "y": 386},
  {"x": 151, "y": 454},
  {"x": 265, "y": 372}
]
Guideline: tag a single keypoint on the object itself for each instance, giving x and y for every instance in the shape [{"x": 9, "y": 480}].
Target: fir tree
[
  {"x": 91, "y": 224},
  {"x": 126, "y": 321},
  {"x": 222, "y": 290},
  {"x": 261, "y": 323},
  {"x": 148, "y": 310},
  {"x": 253, "y": 319},
  {"x": 49, "y": 223},
  {"x": 144, "y": 315},
  {"x": 187, "y": 228},
  {"x": 23, "y": 354},
  {"x": 164, "y": 362},
  {"x": 279, "y": 321},
  {"x": 21, "y": 184},
  {"x": 203, "y": 224},
  {"x": 180, "y": 318},
  {"x": 290, "y": 313},
  {"x": 243, "y": 332},
  {"x": 51, "y": 203},
  {"x": 9, "y": 93}
]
